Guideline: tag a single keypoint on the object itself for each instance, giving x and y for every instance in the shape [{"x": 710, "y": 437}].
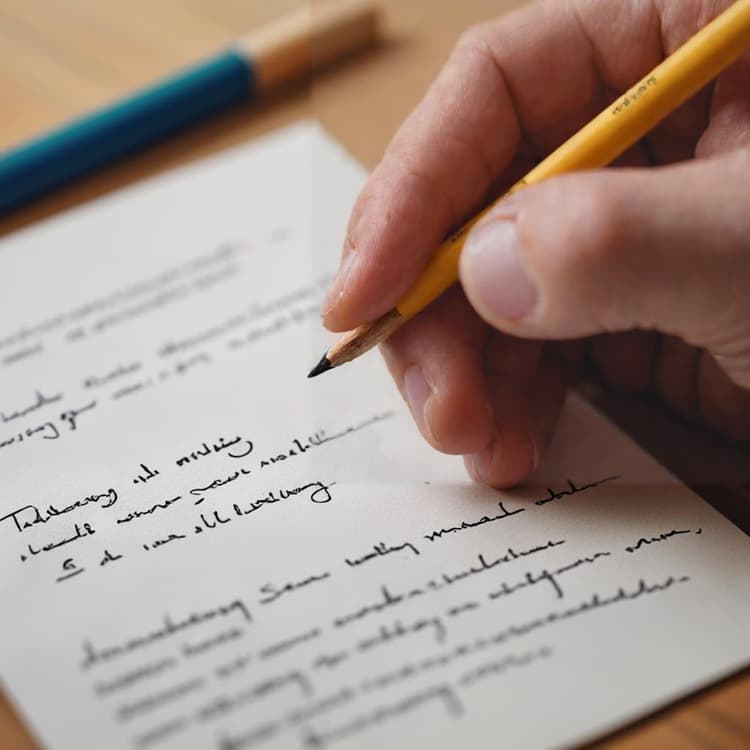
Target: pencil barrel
[
  {"x": 317, "y": 35},
  {"x": 628, "y": 119},
  {"x": 104, "y": 136}
]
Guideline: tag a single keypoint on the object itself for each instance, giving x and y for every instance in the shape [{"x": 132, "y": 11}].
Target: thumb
[{"x": 663, "y": 248}]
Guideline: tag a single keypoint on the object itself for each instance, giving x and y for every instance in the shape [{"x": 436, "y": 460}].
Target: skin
[{"x": 640, "y": 271}]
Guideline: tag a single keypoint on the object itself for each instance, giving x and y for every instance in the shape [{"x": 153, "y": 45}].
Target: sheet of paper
[{"x": 200, "y": 548}]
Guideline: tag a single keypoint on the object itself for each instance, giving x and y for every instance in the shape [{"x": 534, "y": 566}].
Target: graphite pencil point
[{"x": 323, "y": 366}]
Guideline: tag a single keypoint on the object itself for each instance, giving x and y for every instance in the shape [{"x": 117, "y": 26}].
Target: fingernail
[
  {"x": 336, "y": 292},
  {"x": 507, "y": 208},
  {"x": 418, "y": 393},
  {"x": 481, "y": 464},
  {"x": 492, "y": 273}
]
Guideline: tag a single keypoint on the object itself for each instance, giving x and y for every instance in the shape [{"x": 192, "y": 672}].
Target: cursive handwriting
[
  {"x": 321, "y": 437},
  {"x": 40, "y": 401},
  {"x": 643, "y": 541},
  {"x": 149, "y": 511},
  {"x": 81, "y": 532},
  {"x": 380, "y": 550},
  {"x": 169, "y": 627},
  {"x": 244, "y": 448},
  {"x": 464, "y": 525},
  {"x": 96, "y": 381},
  {"x": 71, "y": 415},
  {"x": 270, "y": 593},
  {"x": 572, "y": 489},
  {"x": 200, "y": 492},
  {"x": 29, "y": 515}
]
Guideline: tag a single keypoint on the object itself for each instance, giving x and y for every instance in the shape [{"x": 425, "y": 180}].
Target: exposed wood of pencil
[{"x": 360, "y": 340}]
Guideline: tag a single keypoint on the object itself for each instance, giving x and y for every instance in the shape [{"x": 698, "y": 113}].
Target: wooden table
[{"x": 61, "y": 57}]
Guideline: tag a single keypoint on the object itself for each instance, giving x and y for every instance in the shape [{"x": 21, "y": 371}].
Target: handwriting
[
  {"x": 435, "y": 535},
  {"x": 29, "y": 515},
  {"x": 168, "y": 628},
  {"x": 218, "y": 520},
  {"x": 220, "y": 639},
  {"x": 387, "y": 599},
  {"x": 109, "y": 558},
  {"x": 380, "y": 550},
  {"x": 49, "y": 430},
  {"x": 444, "y": 658},
  {"x": 70, "y": 570},
  {"x": 81, "y": 532},
  {"x": 572, "y": 489},
  {"x": 593, "y": 603},
  {"x": 131, "y": 710},
  {"x": 96, "y": 381},
  {"x": 270, "y": 593},
  {"x": 134, "y": 676},
  {"x": 381, "y": 714},
  {"x": 323, "y": 705},
  {"x": 232, "y": 667},
  {"x": 318, "y": 492},
  {"x": 160, "y": 732},
  {"x": 222, "y": 444},
  {"x": 250, "y": 738},
  {"x": 149, "y": 511},
  {"x": 130, "y": 388},
  {"x": 508, "y": 556},
  {"x": 174, "y": 537},
  {"x": 226, "y": 703},
  {"x": 40, "y": 401},
  {"x": 71, "y": 415},
  {"x": 530, "y": 579},
  {"x": 283, "y": 646},
  {"x": 317, "y": 439},
  {"x": 199, "y": 492},
  {"x": 501, "y": 666},
  {"x": 643, "y": 541},
  {"x": 157, "y": 290},
  {"x": 147, "y": 474}
]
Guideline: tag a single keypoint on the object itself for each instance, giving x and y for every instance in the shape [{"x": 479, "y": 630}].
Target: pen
[
  {"x": 606, "y": 137},
  {"x": 289, "y": 48}
]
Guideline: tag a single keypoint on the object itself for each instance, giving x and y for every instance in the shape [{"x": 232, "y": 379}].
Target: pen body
[{"x": 112, "y": 133}]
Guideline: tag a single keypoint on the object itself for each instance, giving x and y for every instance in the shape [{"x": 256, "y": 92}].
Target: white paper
[{"x": 216, "y": 552}]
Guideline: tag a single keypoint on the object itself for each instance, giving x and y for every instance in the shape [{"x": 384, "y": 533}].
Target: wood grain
[{"x": 62, "y": 57}]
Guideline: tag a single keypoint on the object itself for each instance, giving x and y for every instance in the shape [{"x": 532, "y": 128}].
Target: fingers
[
  {"x": 729, "y": 126},
  {"x": 535, "y": 76},
  {"x": 495, "y": 400},
  {"x": 722, "y": 403},
  {"x": 436, "y": 361},
  {"x": 686, "y": 379},
  {"x": 665, "y": 249},
  {"x": 435, "y": 171},
  {"x": 528, "y": 384}
]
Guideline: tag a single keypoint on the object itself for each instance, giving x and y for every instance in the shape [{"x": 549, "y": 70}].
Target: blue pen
[{"x": 291, "y": 47}]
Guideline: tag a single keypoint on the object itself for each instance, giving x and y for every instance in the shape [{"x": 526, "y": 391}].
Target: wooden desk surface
[{"x": 59, "y": 59}]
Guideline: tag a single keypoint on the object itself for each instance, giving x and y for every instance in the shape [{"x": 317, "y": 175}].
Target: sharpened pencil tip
[{"x": 323, "y": 366}]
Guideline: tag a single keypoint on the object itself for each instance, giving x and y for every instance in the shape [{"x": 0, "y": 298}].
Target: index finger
[{"x": 532, "y": 78}]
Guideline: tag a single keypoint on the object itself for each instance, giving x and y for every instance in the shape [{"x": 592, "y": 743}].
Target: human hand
[{"x": 642, "y": 268}]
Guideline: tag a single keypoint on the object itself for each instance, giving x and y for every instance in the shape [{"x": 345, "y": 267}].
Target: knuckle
[
  {"x": 578, "y": 224},
  {"x": 473, "y": 38}
]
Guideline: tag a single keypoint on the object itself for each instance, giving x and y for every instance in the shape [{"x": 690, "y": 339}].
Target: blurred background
[{"x": 62, "y": 58}]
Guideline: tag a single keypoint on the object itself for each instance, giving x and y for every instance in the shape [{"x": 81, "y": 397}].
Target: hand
[{"x": 642, "y": 268}]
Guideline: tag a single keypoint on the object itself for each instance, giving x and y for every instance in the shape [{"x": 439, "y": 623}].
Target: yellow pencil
[{"x": 603, "y": 139}]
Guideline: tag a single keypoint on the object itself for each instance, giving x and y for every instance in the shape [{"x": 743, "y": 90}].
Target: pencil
[
  {"x": 291, "y": 47},
  {"x": 606, "y": 137}
]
